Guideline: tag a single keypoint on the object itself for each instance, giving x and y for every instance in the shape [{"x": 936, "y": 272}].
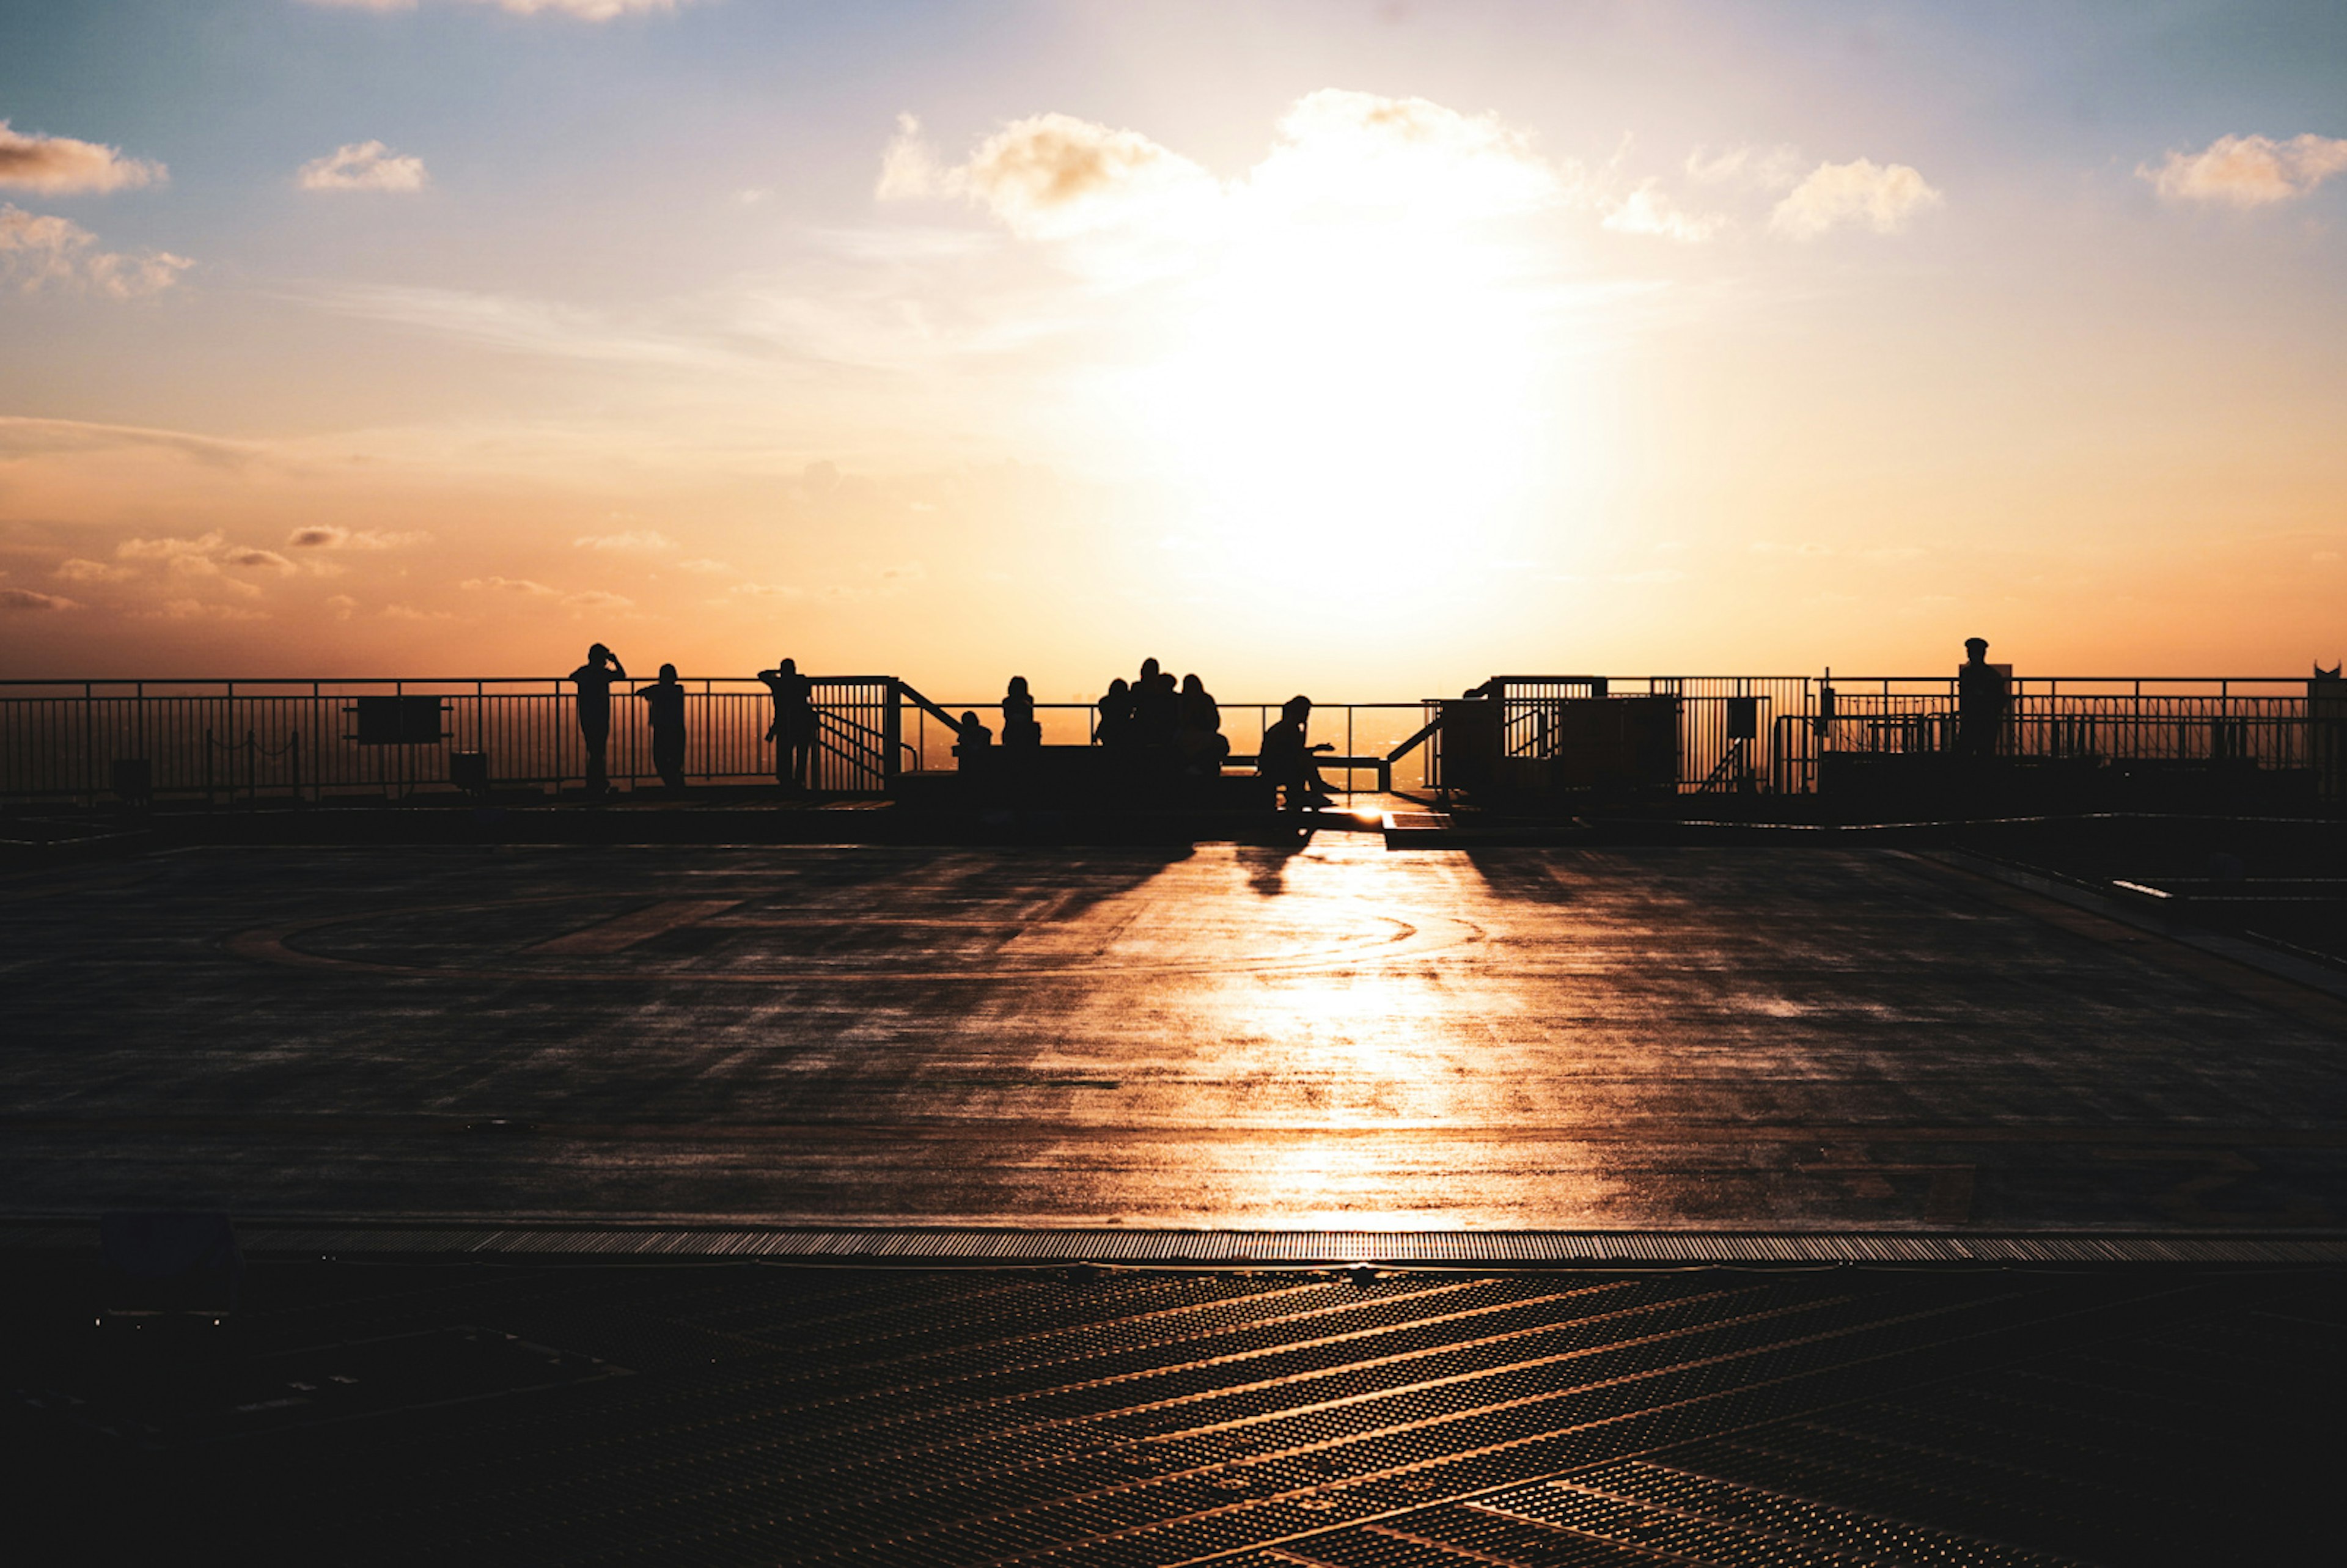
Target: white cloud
[
  {"x": 520, "y": 585},
  {"x": 60, "y": 163},
  {"x": 1646, "y": 210},
  {"x": 1056, "y": 176},
  {"x": 595, "y": 599},
  {"x": 633, "y": 539},
  {"x": 2249, "y": 170},
  {"x": 341, "y": 604},
  {"x": 703, "y": 564},
  {"x": 409, "y": 612},
  {"x": 362, "y": 166},
  {"x": 1860, "y": 192},
  {"x": 581, "y": 10},
  {"x": 1053, "y": 176},
  {"x": 37, "y": 250}
]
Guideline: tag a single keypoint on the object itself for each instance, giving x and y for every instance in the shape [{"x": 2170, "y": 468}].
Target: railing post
[{"x": 892, "y": 724}]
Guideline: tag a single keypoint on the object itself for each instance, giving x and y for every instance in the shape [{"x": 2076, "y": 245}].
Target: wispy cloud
[
  {"x": 22, "y": 437},
  {"x": 325, "y": 536},
  {"x": 524, "y": 325},
  {"x": 2248, "y": 170},
  {"x": 58, "y": 164},
  {"x": 26, "y": 599},
  {"x": 75, "y": 569},
  {"x": 579, "y": 10},
  {"x": 37, "y": 250},
  {"x": 1881, "y": 196},
  {"x": 644, "y": 539},
  {"x": 362, "y": 166},
  {"x": 1647, "y": 211},
  {"x": 1768, "y": 167},
  {"x": 595, "y": 599},
  {"x": 520, "y": 585}
]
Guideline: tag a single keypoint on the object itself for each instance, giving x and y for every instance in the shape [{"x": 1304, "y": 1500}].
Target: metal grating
[
  {"x": 1339, "y": 1418},
  {"x": 1474, "y": 1249}
]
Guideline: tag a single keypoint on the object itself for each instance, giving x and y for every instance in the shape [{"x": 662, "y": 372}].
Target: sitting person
[
  {"x": 1114, "y": 729},
  {"x": 1019, "y": 730},
  {"x": 1203, "y": 743},
  {"x": 975, "y": 739},
  {"x": 1286, "y": 762},
  {"x": 1156, "y": 709}
]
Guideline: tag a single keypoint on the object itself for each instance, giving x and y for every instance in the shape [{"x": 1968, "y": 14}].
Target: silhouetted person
[
  {"x": 594, "y": 679},
  {"x": 1286, "y": 759},
  {"x": 1019, "y": 730},
  {"x": 975, "y": 738},
  {"x": 793, "y": 729},
  {"x": 664, "y": 705},
  {"x": 1114, "y": 729},
  {"x": 1982, "y": 694},
  {"x": 1156, "y": 710},
  {"x": 1203, "y": 744}
]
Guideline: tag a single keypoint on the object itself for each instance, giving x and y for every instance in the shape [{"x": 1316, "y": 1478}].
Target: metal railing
[
  {"x": 253, "y": 740},
  {"x": 257, "y": 739}
]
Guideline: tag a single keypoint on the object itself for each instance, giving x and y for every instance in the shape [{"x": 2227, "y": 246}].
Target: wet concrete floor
[{"x": 1336, "y": 1036}]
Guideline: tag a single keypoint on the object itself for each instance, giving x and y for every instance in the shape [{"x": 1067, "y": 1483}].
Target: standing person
[
  {"x": 1982, "y": 694},
  {"x": 594, "y": 679},
  {"x": 793, "y": 729},
  {"x": 664, "y": 700}
]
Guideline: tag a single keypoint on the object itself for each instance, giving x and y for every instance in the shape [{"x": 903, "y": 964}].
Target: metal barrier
[{"x": 256, "y": 740}]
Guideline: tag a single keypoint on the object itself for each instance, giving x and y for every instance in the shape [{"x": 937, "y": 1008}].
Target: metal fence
[{"x": 226, "y": 740}]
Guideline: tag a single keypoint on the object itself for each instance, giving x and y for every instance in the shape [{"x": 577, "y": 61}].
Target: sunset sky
[{"x": 1367, "y": 348}]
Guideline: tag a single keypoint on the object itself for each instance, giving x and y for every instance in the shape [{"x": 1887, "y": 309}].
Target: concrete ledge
[{"x": 476, "y": 1238}]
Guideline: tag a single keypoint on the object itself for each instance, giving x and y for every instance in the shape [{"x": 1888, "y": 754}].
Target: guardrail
[{"x": 253, "y": 739}]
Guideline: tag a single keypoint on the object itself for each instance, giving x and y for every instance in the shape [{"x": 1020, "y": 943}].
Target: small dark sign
[
  {"x": 398, "y": 720},
  {"x": 1743, "y": 718}
]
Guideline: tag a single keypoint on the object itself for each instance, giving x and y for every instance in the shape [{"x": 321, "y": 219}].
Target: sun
[{"x": 1366, "y": 393}]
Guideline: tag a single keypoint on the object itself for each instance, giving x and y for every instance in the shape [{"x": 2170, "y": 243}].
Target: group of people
[
  {"x": 1153, "y": 717},
  {"x": 793, "y": 729},
  {"x": 1166, "y": 728}
]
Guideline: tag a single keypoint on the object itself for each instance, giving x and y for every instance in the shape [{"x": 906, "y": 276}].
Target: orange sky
[{"x": 1370, "y": 350}]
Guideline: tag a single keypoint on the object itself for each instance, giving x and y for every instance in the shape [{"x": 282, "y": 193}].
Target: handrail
[
  {"x": 1425, "y": 732},
  {"x": 905, "y": 689}
]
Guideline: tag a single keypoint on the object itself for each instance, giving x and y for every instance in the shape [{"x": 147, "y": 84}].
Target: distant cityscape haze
[{"x": 1362, "y": 349}]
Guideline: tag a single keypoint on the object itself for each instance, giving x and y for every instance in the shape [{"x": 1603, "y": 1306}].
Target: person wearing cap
[{"x": 1982, "y": 694}]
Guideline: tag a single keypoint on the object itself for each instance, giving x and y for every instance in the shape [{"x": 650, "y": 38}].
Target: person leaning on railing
[
  {"x": 594, "y": 680},
  {"x": 793, "y": 729},
  {"x": 665, "y": 706}
]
